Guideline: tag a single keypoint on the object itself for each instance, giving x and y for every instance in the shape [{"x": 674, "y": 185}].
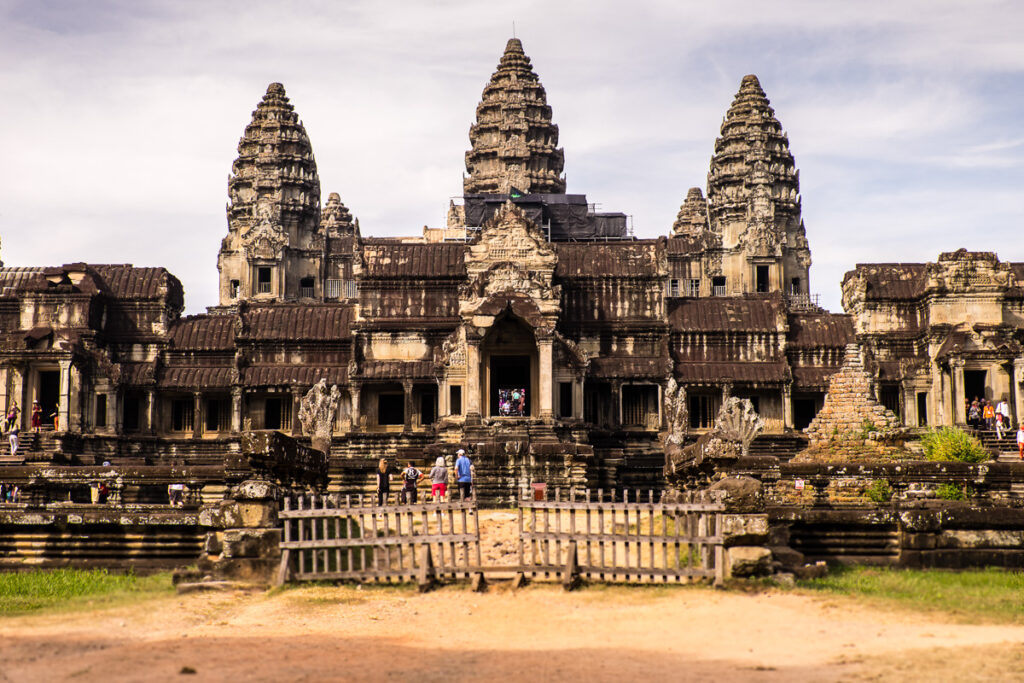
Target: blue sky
[{"x": 121, "y": 119}]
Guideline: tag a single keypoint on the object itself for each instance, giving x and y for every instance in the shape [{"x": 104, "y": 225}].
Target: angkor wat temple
[{"x": 533, "y": 329}]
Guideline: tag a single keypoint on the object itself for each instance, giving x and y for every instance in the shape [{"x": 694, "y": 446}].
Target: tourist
[
  {"x": 176, "y": 495},
  {"x": 410, "y": 478},
  {"x": 13, "y": 438},
  {"x": 37, "y": 416},
  {"x": 1020, "y": 440},
  {"x": 974, "y": 414},
  {"x": 999, "y": 425},
  {"x": 439, "y": 480},
  {"x": 12, "y": 416},
  {"x": 1004, "y": 409},
  {"x": 102, "y": 493},
  {"x": 384, "y": 473},
  {"x": 464, "y": 472},
  {"x": 988, "y": 414}
]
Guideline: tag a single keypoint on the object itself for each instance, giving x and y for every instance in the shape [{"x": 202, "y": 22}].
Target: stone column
[
  {"x": 545, "y": 379},
  {"x": 909, "y": 398},
  {"x": 151, "y": 418},
  {"x": 616, "y": 385},
  {"x": 76, "y": 419},
  {"x": 577, "y": 398},
  {"x": 354, "y": 391},
  {"x": 1017, "y": 394},
  {"x": 787, "y": 406},
  {"x": 236, "y": 410},
  {"x": 473, "y": 398},
  {"x": 296, "y": 426},
  {"x": 408, "y": 406},
  {"x": 64, "y": 402},
  {"x": 197, "y": 415},
  {"x": 957, "y": 366}
]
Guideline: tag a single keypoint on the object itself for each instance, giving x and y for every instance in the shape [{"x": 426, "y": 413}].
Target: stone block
[
  {"x": 742, "y": 494},
  {"x": 252, "y": 543},
  {"x": 747, "y": 561},
  {"x": 745, "y": 529},
  {"x": 229, "y": 514},
  {"x": 984, "y": 538},
  {"x": 255, "y": 489},
  {"x": 214, "y": 543}
]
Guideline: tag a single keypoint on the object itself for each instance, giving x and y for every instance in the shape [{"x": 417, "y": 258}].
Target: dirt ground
[{"x": 536, "y": 633}]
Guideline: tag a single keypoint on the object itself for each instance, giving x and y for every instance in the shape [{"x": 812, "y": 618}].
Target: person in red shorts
[{"x": 439, "y": 480}]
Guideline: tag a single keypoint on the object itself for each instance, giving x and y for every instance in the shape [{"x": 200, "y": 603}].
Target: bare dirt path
[{"x": 538, "y": 633}]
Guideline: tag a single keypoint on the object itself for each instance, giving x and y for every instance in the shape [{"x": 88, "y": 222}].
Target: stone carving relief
[
  {"x": 738, "y": 421},
  {"x": 676, "y": 414},
  {"x": 317, "y": 413},
  {"x": 965, "y": 271},
  {"x": 266, "y": 239}
]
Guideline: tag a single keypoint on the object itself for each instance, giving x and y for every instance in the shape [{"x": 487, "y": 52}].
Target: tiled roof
[
  {"x": 137, "y": 374},
  {"x": 814, "y": 330},
  {"x": 607, "y": 259},
  {"x": 15, "y": 279},
  {"x": 628, "y": 367},
  {"x": 195, "y": 377},
  {"x": 812, "y": 378},
  {"x": 396, "y": 369},
  {"x": 385, "y": 259},
  {"x": 284, "y": 375},
  {"x": 751, "y": 313},
  {"x": 308, "y": 322},
  {"x": 204, "y": 332},
  {"x": 684, "y": 246},
  {"x": 716, "y": 373},
  {"x": 125, "y": 281}
]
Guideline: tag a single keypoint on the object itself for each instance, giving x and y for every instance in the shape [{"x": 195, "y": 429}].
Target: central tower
[{"x": 514, "y": 144}]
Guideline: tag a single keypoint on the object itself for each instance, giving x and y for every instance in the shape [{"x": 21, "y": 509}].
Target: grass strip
[
  {"x": 31, "y": 591},
  {"x": 971, "y": 596}
]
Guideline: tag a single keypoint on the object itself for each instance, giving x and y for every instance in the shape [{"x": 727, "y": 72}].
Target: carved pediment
[
  {"x": 266, "y": 238},
  {"x": 964, "y": 271}
]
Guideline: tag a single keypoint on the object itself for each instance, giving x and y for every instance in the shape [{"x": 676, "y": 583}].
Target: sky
[{"x": 120, "y": 118}]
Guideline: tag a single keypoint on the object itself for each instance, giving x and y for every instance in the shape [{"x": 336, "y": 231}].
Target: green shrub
[
  {"x": 867, "y": 428},
  {"x": 952, "y": 443},
  {"x": 953, "y": 492},
  {"x": 879, "y": 491}
]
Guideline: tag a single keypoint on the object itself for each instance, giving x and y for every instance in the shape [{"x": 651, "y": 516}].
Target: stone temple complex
[{"x": 531, "y": 329}]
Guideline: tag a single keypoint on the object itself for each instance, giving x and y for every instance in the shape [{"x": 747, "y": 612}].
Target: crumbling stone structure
[{"x": 851, "y": 412}]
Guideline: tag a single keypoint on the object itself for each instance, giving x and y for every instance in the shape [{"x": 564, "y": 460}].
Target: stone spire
[
  {"x": 273, "y": 235},
  {"x": 274, "y": 178},
  {"x": 514, "y": 143},
  {"x": 752, "y": 163},
  {"x": 336, "y": 219},
  {"x": 692, "y": 219}
]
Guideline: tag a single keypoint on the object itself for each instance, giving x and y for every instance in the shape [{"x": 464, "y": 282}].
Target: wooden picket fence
[
  {"x": 591, "y": 535},
  {"x": 346, "y": 538}
]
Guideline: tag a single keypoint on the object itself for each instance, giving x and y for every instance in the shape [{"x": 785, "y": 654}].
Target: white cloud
[{"x": 121, "y": 118}]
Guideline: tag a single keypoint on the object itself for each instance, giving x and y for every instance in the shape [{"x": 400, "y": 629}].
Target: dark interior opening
[
  {"x": 565, "y": 399},
  {"x": 974, "y": 384},
  {"x": 804, "y": 410},
  {"x": 428, "y": 406},
  {"x": 181, "y": 414},
  {"x": 49, "y": 394},
  {"x": 922, "y": 409},
  {"x": 891, "y": 398},
  {"x": 597, "y": 399},
  {"x": 130, "y": 418},
  {"x": 455, "y": 400},
  {"x": 391, "y": 409},
  {"x": 762, "y": 278},
  {"x": 794, "y": 286},
  {"x": 511, "y": 375},
  {"x": 101, "y": 410},
  {"x": 272, "y": 413},
  {"x": 703, "y": 410}
]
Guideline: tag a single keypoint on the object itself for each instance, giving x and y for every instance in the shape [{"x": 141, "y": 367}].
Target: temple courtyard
[{"x": 536, "y": 633}]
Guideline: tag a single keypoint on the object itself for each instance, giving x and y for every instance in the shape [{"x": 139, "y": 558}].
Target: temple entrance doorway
[
  {"x": 510, "y": 363},
  {"x": 974, "y": 384},
  {"x": 49, "y": 394},
  {"x": 510, "y": 386}
]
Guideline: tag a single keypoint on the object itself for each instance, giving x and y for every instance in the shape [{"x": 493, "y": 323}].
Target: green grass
[
  {"x": 75, "y": 588},
  {"x": 980, "y": 595}
]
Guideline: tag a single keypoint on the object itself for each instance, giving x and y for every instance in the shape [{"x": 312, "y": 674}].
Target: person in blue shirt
[{"x": 464, "y": 474}]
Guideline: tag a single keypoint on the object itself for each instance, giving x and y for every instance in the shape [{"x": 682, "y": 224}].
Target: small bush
[
  {"x": 953, "y": 492},
  {"x": 953, "y": 444},
  {"x": 879, "y": 491},
  {"x": 867, "y": 428}
]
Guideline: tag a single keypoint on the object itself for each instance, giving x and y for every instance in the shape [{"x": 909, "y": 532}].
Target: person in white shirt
[{"x": 1020, "y": 440}]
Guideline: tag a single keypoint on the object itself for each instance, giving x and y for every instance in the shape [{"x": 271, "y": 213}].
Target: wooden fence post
[
  {"x": 427, "y": 576},
  {"x": 571, "y": 573}
]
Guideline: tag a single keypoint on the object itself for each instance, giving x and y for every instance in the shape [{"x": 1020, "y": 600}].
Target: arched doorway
[{"x": 509, "y": 364}]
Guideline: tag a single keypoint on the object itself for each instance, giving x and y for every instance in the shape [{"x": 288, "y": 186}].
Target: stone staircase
[
  {"x": 781, "y": 446},
  {"x": 846, "y": 544},
  {"x": 1004, "y": 449}
]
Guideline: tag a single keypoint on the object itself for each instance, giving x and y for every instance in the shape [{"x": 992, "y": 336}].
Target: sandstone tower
[
  {"x": 273, "y": 247},
  {"x": 514, "y": 143},
  {"x": 753, "y": 201}
]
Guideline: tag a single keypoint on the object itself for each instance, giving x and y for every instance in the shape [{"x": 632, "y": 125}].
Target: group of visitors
[
  {"x": 10, "y": 493},
  {"x": 982, "y": 414},
  {"x": 411, "y": 476},
  {"x": 11, "y": 422},
  {"x": 512, "y": 402}
]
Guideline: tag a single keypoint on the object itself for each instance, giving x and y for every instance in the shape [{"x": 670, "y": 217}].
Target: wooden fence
[
  {"x": 334, "y": 538},
  {"x": 593, "y": 536}
]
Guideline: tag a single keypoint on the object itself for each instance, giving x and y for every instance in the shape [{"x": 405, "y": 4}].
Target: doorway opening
[
  {"x": 974, "y": 384},
  {"x": 510, "y": 386},
  {"x": 762, "y": 278},
  {"x": 49, "y": 394}
]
